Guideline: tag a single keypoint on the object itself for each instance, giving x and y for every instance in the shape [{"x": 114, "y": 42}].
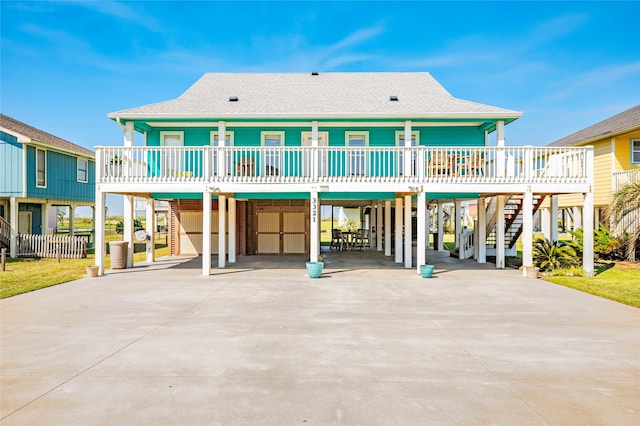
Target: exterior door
[
  {"x": 24, "y": 222},
  {"x": 281, "y": 232}
]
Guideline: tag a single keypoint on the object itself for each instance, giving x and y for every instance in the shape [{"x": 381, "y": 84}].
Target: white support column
[
  {"x": 407, "y": 143},
  {"x": 500, "y": 154},
  {"x": 440, "y": 245},
  {"x": 545, "y": 222},
  {"x": 45, "y": 218},
  {"x": 13, "y": 222},
  {"x": 596, "y": 218},
  {"x": 314, "y": 218},
  {"x": 398, "y": 225},
  {"x": 206, "y": 234},
  {"x": 128, "y": 134},
  {"x": 232, "y": 229},
  {"x": 379, "y": 225},
  {"x": 482, "y": 231},
  {"x": 408, "y": 249},
  {"x": 315, "y": 158},
  {"x": 457, "y": 223},
  {"x": 527, "y": 228},
  {"x": 587, "y": 249},
  {"x": 222, "y": 137},
  {"x": 387, "y": 227},
  {"x": 72, "y": 221},
  {"x": 553, "y": 211},
  {"x": 222, "y": 231},
  {"x": 127, "y": 230},
  {"x": 422, "y": 225},
  {"x": 577, "y": 218},
  {"x": 500, "y": 232},
  {"x": 98, "y": 224},
  {"x": 150, "y": 213}
]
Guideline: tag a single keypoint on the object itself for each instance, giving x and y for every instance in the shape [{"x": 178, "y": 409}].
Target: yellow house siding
[{"x": 623, "y": 151}]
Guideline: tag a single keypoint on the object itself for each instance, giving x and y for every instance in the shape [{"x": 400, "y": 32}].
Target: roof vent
[
  {"x": 315, "y": 73},
  {"x": 393, "y": 98},
  {"x": 233, "y": 99}
]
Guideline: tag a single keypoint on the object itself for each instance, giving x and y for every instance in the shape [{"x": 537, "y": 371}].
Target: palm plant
[
  {"x": 549, "y": 256},
  {"x": 624, "y": 216}
]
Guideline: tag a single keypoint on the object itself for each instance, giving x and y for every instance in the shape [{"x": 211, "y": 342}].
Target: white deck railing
[
  {"x": 341, "y": 164},
  {"x": 622, "y": 178}
]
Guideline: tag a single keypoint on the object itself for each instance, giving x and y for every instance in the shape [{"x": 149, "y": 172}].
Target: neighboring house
[
  {"x": 247, "y": 160},
  {"x": 38, "y": 173},
  {"x": 616, "y": 143}
]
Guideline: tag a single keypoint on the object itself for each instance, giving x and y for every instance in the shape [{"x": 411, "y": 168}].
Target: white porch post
[
  {"x": 127, "y": 230},
  {"x": 577, "y": 218},
  {"x": 422, "y": 225},
  {"x": 72, "y": 221},
  {"x": 128, "y": 212},
  {"x": 527, "y": 228},
  {"x": 482, "y": 231},
  {"x": 587, "y": 249},
  {"x": 45, "y": 218},
  {"x": 457, "y": 223},
  {"x": 379, "y": 225},
  {"x": 314, "y": 217},
  {"x": 222, "y": 231},
  {"x": 206, "y": 233},
  {"x": 408, "y": 252},
  {"x": 151, "y": 229},
  {"x": 440, "y": 245},
  {"x": 314, "y": 157},
  {"x": 222, "y": 138},
  {"x": 553, "y": 224},
  {"x": 596, "y": 218},
  {"x": 387, "y": 227},
  {"x": 500, "y": 232},
  {"x": 500, "y": 155},
  {"x": 232, "y": 229},
  {"x": 13, "y": 222},
  {"x": 398, "y": 242},
  {"x": 545, "y": 222},
  {"x": 407, "y": 155},
  {"x": 99, "y": 229}
]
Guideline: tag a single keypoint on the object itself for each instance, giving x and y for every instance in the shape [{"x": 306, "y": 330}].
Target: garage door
[{"x": 191, "y": 232}]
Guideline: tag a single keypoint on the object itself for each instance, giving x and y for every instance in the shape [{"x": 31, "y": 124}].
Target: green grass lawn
[
  {"x": 620, "y": 283},
  {"x": 24, "y": 275}
]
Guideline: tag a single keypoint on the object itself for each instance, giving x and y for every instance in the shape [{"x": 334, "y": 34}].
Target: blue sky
[{"x": 565, "y": 65}]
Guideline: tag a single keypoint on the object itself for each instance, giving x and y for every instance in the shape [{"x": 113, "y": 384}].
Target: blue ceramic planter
[
  {"x": 426, "y": 271},
  {"x": 314, "y": 269}
]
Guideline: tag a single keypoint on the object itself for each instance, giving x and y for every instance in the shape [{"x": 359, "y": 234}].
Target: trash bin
[{"x": 119, "y": 251}]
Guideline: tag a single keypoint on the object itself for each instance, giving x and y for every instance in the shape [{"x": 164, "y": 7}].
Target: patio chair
[{"x": 337, "y": 240}]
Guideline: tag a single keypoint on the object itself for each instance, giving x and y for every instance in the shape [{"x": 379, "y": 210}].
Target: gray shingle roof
[
  {"x": 620, "y": 123},
  {"x": 38, "y": 135},
  {"x": 323, "y": 95}
]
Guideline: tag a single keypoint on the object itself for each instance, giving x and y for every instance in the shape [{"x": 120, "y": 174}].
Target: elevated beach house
[
  {"x": 616, "y": 145},
  {"x": 247, "y": 160},
  {"x": 38, "y": 173}
]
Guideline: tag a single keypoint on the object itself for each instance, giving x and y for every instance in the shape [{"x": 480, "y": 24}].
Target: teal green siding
[
  {"x": 61, "y": 182},
  {"x": 378, "y": 136},
  {"x": 10, "y": 166}
]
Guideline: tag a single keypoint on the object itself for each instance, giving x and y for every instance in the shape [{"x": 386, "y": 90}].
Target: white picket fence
[{"x": 53, "y": 246}]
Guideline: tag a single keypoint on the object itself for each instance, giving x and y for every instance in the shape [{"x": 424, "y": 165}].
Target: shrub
[
  {"x": 606, "y": 246},
  {"x": 137, "y": 225},
  {"x": 550, "y": 256}
]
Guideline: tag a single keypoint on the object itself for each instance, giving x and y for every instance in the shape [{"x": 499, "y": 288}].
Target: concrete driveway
[{"x": 370, "y": 345}]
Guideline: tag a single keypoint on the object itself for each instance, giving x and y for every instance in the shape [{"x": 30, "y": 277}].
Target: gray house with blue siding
[{"x": 39, "y": 172}]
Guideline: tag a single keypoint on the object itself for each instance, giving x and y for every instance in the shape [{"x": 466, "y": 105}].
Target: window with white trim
[
  {"x": 228, "y": 141},
  {"x": 635, "y": 151},
  {"x": 323, "y": 140},
  {"x": 41, "y": 168},
  {"x": 82, "y": 170},
  {"x": 356, "y": 157},
  {"x": 272, "y": 157}
]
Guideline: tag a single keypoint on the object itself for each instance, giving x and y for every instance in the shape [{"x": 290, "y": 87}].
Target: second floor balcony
[{"x": 319, "y": 165}]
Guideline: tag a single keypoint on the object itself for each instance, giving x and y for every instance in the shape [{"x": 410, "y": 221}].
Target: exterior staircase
[
  {"x": 513, "y": 217},
  {"x": 5, "y": 233}
]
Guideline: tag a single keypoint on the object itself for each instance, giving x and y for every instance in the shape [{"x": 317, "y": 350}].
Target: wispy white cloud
[
  {"x": 120, "y": 11},
  {"x": 598, "y": 78}
]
